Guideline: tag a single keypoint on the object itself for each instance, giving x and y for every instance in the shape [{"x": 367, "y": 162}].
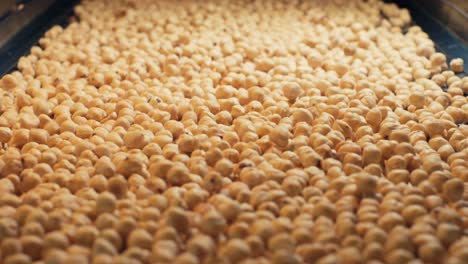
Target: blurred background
[{"x": 23, "y": 22}]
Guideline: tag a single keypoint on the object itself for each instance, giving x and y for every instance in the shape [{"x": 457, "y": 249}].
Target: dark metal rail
[
  {"x": 446, "y": 22},
  {"x": 23, "y": 23}
]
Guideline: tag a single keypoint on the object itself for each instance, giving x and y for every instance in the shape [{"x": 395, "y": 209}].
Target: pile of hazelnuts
[{"x": 225, "y": 132}]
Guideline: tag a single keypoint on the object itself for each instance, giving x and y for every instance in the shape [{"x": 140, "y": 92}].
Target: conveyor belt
[{"x": 23, "y": 22}]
